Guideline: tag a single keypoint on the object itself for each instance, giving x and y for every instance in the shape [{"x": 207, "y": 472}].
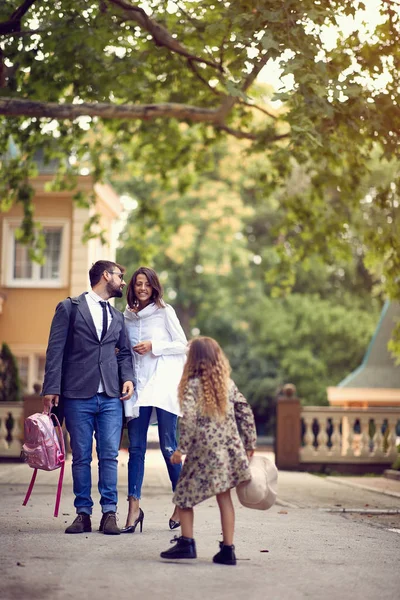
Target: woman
[{"x": 159, "y": 347}]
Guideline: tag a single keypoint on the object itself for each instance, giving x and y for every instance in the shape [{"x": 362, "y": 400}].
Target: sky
[{"x": 364, "y": 22}]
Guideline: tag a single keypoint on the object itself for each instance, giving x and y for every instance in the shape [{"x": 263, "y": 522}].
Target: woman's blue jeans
[
  {"x": 102, "y": 416},
  {"x": 137, "y": 430}
]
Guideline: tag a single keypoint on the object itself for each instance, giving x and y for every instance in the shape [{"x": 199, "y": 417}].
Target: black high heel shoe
[
  {"x": 174, "y": 524},
  {"x": 131, "y": 528}
]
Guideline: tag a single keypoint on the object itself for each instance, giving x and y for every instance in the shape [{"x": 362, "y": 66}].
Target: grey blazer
[{"x": 74, "y": 369}]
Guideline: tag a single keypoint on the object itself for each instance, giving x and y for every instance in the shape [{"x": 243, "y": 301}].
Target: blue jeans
[
  {"x": 102, "y": 416},
  {"x": 137, "y": 430}
]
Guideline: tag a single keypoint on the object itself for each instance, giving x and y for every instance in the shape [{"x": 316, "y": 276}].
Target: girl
[
  {"x": 159, "y": 349},
  {"x": 213, "y": 414}
]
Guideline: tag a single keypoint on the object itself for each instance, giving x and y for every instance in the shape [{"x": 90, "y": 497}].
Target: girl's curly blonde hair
[{"x": 207, "y": 362}]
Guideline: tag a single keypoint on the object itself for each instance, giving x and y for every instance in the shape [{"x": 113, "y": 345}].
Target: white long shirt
[{"x": 157, "y": 373}]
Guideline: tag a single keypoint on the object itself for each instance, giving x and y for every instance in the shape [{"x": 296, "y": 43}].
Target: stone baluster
[
  {"x": 378, "y": 450},
  {"x": 391, "y": 438},
  {"x": 335, "y": 437},
  {"x": 14, "y": 446},
  {"x": 350, "y": 437},
  {"x": 364, "y": 438},
  {"x": 3, "y": 435},
  {"x": 308, "y": 450},
  {"x": 322, "y": 438},
  {"x": 10, "y": 429}
]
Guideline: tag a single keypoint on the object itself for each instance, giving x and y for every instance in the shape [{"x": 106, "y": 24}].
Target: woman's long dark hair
[{"x": 153, "y": 280}]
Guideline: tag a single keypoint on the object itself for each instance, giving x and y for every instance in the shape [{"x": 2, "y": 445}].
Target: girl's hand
[
  {"x": 143, "y": 347},
  {"x": 249, "y": 453},
  {"x": 176, "y": 458}
]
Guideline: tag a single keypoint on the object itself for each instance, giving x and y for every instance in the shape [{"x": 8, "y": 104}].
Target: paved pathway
[{"x": 296, "y": 550}]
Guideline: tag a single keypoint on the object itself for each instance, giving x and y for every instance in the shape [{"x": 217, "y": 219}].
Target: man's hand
[
  {"x": 176, "y": 458},
  {"x": 143, "y": 347},
  {"x": 127, "y": 390},
  {"x": 50, "y": 400}
]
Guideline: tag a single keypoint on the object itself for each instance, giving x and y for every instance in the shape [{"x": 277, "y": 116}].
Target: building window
[
  {"x": 21, "y": 271},
  {"x": 23, "y": 372},
  {"x": 41, "y": 361},
  {"x": 24, "y": 268},
  {"x": 31, "y": 371}
]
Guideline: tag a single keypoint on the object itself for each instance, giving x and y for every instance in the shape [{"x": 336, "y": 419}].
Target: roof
[{"x": 378, "y": 368}]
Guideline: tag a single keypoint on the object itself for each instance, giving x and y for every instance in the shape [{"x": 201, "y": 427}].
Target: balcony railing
[
  {"x": 331, "y": 434},
  {"x": 338, "y": 438}
]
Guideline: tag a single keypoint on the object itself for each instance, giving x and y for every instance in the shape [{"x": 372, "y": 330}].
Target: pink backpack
[{"x": 44, "y": 449}]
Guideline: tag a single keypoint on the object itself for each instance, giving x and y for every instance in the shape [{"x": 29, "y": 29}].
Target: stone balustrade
[
  {"x": 348, "y": 435},
  {"x": 320, "y": 438}
]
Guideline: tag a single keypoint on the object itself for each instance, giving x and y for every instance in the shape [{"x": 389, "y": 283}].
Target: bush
[{"x": 10, "y": 385}]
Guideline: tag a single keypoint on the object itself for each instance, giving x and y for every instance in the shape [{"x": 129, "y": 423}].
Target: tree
[
  {"x": 214, "y": 247},
  {"x": 107, "y": 80},
  {"x": 10, "y": 386}
]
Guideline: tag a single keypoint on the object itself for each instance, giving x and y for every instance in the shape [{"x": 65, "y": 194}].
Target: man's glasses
[{"x": 120, "y": 275}]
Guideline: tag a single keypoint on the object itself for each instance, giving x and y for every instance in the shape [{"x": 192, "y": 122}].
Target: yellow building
[{"x": 30, "y": 292}]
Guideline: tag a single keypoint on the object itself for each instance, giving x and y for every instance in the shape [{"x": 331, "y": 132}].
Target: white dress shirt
[{"x": 96, "y": 310}]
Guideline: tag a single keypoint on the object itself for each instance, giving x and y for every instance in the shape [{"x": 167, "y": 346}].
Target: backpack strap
[
  {"x": 30, "y": 488},
  {"x": 59, "y": 490},
  {"x": 72, "y": 317},
  {"x": 62, "y": 458},
  {"x": 74, "y": 303}
]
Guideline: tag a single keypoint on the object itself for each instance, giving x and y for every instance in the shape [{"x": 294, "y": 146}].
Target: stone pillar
[
  {"x": 288, "y": 428},
  {"x": 33, "y": 403}
]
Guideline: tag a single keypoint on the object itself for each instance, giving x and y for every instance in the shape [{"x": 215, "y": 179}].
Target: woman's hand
[
  {"x": 143, "y": 347},
  {"x": 176, "y": 458},
  {"x": 249, "y": 453}
]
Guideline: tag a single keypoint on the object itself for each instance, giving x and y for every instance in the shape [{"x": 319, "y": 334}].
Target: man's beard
[{"x": 114, "y": 292}]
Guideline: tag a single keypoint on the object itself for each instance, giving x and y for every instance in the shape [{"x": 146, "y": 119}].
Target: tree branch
[
  {"x": 240, "y": 135},
  {"x": 27, "y": 32},
  {"x": 247, "y": 135},
  {"x": 230, "y": 101},
  {"x": 160, "y": 34},
  {"x": 14, "y": 22},
  {"x": 16, "y": 107},
  {"x": 193, "y": 68},
  {"x": 254, "y": 73},
  {"x": 198, "y": 29},
  {"x": 257, "y": 107}
]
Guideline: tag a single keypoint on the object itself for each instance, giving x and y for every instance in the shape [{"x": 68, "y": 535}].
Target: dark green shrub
[{"x": 10, "y": 385}]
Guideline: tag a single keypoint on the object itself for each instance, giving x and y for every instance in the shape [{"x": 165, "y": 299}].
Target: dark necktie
[{"x": 105, "y": 319}]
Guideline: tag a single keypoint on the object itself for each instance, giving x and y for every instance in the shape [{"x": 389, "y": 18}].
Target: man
[{"x": 88, "y": 363}]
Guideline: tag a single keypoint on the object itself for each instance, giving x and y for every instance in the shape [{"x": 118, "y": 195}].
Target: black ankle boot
[
  {"x": 184, "y": 548},
  {"x": 226, "y": 555}
]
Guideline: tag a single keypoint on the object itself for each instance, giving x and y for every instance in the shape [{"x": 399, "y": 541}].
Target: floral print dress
[{"x": 216, "y": 459}]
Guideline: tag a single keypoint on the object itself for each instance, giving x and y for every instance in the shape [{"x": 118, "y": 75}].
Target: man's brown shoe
[
  {"x": 81, "y": 524},
  {"x": 108, "y": 524}
]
